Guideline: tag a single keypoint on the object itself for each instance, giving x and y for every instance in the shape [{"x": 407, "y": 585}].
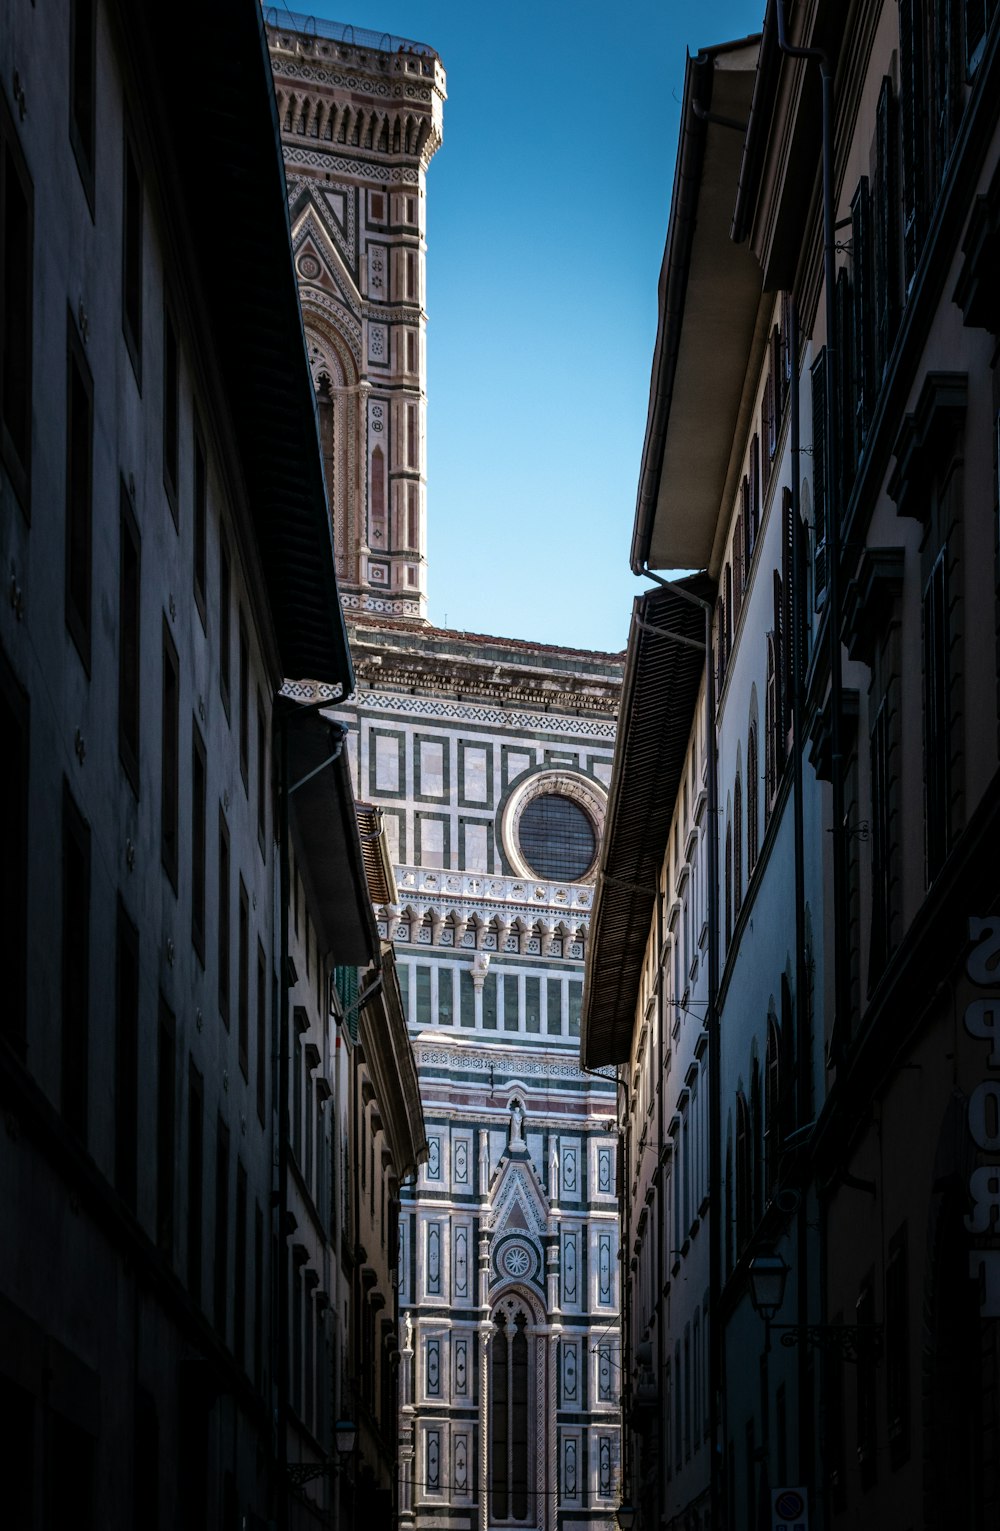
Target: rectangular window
[
  {"x": 880, "y": 843},
  {"x": 424, "y": 1016},
  {"x": 126, "y": 1055},
  {"x": 411, "y": 351},
  {"x": 221, "y": 1262},
  {"x": 75, "y": 965},
  {"x": 165, "y": 1130},
  {"x": 199, "y": 806},
  {"x": 554, "y": 1007},
  {"x": 575, "y": 1001},
  {"x": 132, "y": 257},
  {"x": 82, "y": 89},
  {"x": 511, "y": 1006},
  {"x": 258, "y": 1296},
  {"x": 240, "y": 1266},
  {"x": 866, "y": 1394},
  {"x": 200, "y": 498},
  {"x": 225, "y": 621},
  {"x": 171, "y": 410},
  {"x": 243, "y": 1012},
  {"x": 261, "y": 775},
  {"x": 412, "y": 443},
  {"x": 897, "y": 1350},
  {"x": 223, "y": 912},
  {"x": 79, "y": 491},
  {"x": 937, "y": 785},
  {"x": 262, "y": 1058},
  {"x": 129, "y": 599},
  {"x": 490, "y": 1002},
  {"x": 194, "y": 1180},
  {"x": 16, "y": 281},
  {"x": 169, "y": 757},
  {"x": 244, "y": 706}
]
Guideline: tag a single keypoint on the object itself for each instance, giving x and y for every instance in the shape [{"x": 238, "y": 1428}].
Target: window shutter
[
  {"x": 777, "y": 392},
  {"x": 739, "y": 569},
  {"x": 754, "y": 490},
  {"x": 911, "y": 68},
  {"x": 787, "y": 606},
  {"x": 780, "y": 638},
  {"x": 886, "y": 253},
  {"x": 861, "y": 349},
  {"x": 819, "y": 469},
  {"x": 843, "y": 307}
]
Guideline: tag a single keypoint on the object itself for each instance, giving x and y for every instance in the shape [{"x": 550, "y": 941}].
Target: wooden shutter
[
  {"x": 862, "y": 313},
  {"x": 911, "y": 70},
  {"x": 843, "y": 308},
  {"x": 787, "y": 606},
  {"x": 886, "y": 238},
  {"x": 819, "y": 469}
]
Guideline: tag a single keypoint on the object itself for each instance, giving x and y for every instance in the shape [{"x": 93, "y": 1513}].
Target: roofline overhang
[
  {"x": 389, "y": 1054},
  {"x": 690, "y": 349},
  {"x": 664, "y": 667}
]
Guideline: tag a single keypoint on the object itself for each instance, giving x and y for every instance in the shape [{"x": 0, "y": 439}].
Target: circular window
[
  {"x": 551, "y": 826},
  {"x": 557, "y": 837}
]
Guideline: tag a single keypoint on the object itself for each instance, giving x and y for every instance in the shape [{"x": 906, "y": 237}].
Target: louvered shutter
[
  {"x": 779, "y": 672},
  {"x": 911, "y": 68},
  {"x": 754, "y": 491},
  {"x": 739, "y": 574},
  {"x": 845, "y": 392},
  {"x": 787, "y": 606},
  {"x": 886, "y": 254},
  {"x": 819, "y": 469},
  {"x": 861, "y": 339}
]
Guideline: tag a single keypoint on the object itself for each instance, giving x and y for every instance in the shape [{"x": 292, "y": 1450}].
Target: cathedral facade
[{"x": 490, "y": 761}]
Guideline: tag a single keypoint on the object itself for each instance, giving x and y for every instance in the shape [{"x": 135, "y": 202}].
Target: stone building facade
[
  {"x": 508, "y": 1261},
  {"x": 488, "y": 760}
]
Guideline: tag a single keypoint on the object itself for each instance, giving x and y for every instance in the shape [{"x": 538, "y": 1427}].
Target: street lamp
[
  {"x": 626, "y": 1516},
  {"x": 345, "y": 1433},
  {"x": 768, "y": 1275}
]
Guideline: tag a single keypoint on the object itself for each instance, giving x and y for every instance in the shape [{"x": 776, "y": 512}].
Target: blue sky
[{"x": 547, "y": 210}]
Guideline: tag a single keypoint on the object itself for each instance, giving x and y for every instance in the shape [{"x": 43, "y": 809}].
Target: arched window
[
  {"x": 743, "y": 1181},
  {"x": 737, "y": 848},
  {"x": 756, "y": 1146},
  {"x": 771, "y": 725},
  {"x": 509, "y": 1434},
  {"x": 729, "y": 882},
  {"x": 772, "y": 1106},
  {"x": 752, "y": 797},
  {"x": 729, "y": 1197}
]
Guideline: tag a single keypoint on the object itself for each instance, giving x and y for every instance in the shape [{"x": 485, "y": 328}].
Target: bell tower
[{"x": 361, "y": 117}]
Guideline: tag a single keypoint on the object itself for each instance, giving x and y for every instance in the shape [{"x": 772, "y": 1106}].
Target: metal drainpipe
[
  {"x": 803, "y": 1019},
  {"x": 716, "y": 1348},
  {"x": 662, "y": 1022},
  {"x": 280, "y": 1330},
  {"x": 841, "y": 1027}
]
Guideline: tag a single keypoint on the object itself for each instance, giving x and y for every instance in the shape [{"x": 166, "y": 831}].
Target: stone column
[{"x": 485, "y": 1336}]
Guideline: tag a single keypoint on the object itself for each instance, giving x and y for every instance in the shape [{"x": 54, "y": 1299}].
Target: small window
[
  {"x": 262, "y": 1054},
  {"x": 261, "y": 775},
  {"x": 126, "y": 1056},
  {"x": 129, "y": 607},
  {"x": 75, "y": 965},
  {"x": 165, "y": 1129},
  {"x": 79, "y": 492},
  {"x": 171, "y": 410},
  {"x": 200, "y": 498},
  {"x": 196, "y": 1154},
  {"x": 243, "y": 993},
  {"x": 221, "y": 1285},
  {"x": 14, "y": 805},
  {"x": 16, "y": 280},
  {"x": 169, "y": 758},
  {"x": 225, "y": 621},
  {"x": 411, "y": 351},
  {"x": 244, "y": 705},
  {"x": 378, "y": 206},
  {"x": 199, "y": 802},
  {"x": 223, "y": 921},
  {"x": 83, "y": 90},
  {"x": 132, "y": 258}
]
